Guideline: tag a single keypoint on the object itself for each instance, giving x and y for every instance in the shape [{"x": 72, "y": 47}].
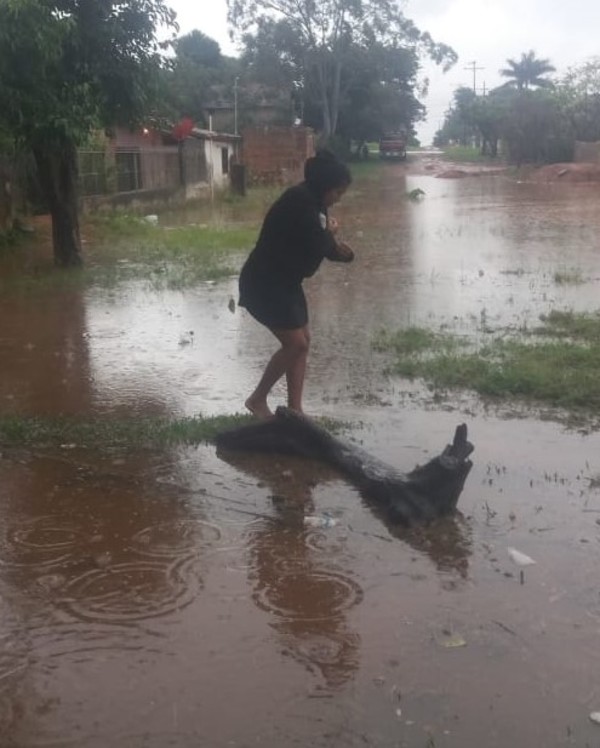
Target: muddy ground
[{"x": 176, "y": 598}]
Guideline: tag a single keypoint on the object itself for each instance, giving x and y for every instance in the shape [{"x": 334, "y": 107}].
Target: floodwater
[{"x": 175, "y": 598}]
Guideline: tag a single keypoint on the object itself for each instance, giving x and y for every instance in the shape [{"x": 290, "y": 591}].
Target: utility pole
[
  {"x": 235, "y": 105},
  {"x": 473, "y": 67}
]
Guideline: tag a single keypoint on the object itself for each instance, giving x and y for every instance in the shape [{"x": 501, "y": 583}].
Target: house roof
[{"x": 224, "y": 137}]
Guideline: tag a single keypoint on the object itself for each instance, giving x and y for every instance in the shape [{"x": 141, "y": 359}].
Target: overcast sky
[{"x": 485, "y": 31}]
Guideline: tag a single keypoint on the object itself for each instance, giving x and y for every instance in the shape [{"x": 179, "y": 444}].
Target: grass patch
[
  {"x": 121, "y": 247},
  {"x": 148, "y": 432},
  {"x": 567, "y": 277},
  {"x": 560, "y": 370},
  {"x": 169, "y": 257},
  {"x": 415, "y": 341},
  {"x": 130, "y": 434},
  {"x": 575, "y": 326},
  {"x": 463, "y": 153}
]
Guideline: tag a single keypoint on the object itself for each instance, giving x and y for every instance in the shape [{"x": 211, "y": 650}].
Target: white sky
[{"x": 485, "y": 31}]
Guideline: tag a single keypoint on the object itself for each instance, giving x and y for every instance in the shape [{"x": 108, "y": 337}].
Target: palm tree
[{"x": 528, "y": 72}]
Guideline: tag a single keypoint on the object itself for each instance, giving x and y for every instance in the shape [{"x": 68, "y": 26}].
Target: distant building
[{"x": 153, "y": 163}]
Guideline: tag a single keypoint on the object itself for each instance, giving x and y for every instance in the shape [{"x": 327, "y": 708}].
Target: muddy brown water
[{"x": 175, "y": 597}]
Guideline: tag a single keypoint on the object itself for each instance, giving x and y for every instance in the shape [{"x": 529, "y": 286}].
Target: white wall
[{"x": 214, "y": 160}]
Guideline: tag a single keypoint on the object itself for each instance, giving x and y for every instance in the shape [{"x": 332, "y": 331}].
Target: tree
[
  {"x": 194, "y": 76},
  {"x": 459, "y": 123},
  {"x": 322, "y": 36},
  {"x": 66, "y": 68},
  {"x": 528, "y": 72},
  {"x": 378, "y": 93},
  {"x": 580, "y": 96}
]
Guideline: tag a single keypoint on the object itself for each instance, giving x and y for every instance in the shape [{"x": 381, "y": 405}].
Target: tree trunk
[
  {"x": 325, "y": 110},
  {"x": 335, "y": 95},
  {"x": 57, "y": 168},
  {"x": 417, "y": 497}
]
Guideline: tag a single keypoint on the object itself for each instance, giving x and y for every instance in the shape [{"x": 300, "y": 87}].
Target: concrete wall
[{"x": 276, "y": 155}]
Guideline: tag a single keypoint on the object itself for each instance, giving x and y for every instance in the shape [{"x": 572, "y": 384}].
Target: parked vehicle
[{"x": 393, "y": 145}]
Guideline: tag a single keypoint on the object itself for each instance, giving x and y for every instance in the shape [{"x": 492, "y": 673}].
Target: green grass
[
  {"x": 148, "y": 432},
  {"x": 173, "y": 257},
  {"x": 557, "y": 365},
  {"x": 121, "y": 247},
  {"x": 130, "y": 434},
  {"x": 569, "y": 276},
  {"x": 567, "y": 324},
  {"x": 415, "y": 341},
  {"x": 463, "y": 153}
]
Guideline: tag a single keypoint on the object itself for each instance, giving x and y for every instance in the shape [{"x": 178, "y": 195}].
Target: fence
[{"x": 129, "y": 170}]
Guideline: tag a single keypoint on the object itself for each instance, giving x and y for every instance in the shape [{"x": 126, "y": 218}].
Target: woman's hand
[{"x": 332, "y": 225}]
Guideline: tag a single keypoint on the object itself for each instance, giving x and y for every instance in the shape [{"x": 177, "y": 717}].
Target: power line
[{"x": 473, "y": 67}]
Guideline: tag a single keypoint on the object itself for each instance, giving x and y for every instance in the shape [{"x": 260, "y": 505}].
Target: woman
[{"x": 296, "y": 236}]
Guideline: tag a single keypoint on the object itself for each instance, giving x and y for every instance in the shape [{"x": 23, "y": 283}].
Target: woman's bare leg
[
  {"x": 290, "y": 359},
  {"x": 295, "y": 375}
]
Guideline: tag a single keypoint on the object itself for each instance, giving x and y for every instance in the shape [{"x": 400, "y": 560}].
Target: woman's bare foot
[{"x": 259, "y": 408}]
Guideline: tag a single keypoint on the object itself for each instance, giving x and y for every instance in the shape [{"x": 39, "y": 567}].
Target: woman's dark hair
[{"x": 324, "y": 172}]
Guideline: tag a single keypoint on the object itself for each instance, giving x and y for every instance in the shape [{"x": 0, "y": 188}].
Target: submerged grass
[
  {"x": 123, "y": 247},
  {"x": 148, "y": 432},
  {"x": 561, "y": 370},
  {"x": 129, "y": 434},
  {"x": 569, "y": 277},
  {"x": 168, "y": 256}
]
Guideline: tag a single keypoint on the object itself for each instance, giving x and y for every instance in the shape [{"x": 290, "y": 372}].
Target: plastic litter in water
[
  {"x": 452, "y": 641},
  {"x": 312, "y": 520},
  {"x": 595, "y": 717},
  {"x": 520, "y": 559}
]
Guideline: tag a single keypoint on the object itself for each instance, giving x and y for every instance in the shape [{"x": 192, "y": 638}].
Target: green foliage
[
  {"x": 460, "y": 126},
  {"x": 579, "y": 93},
  {"x": 528, "y": 72},
  {"x": 197, "y": 77},
  {"x": 378, "y": 85},
  {"x": 533, "y": 125},
  {"x": 67, "y": 67},
  {"x": 313, "y": 46}
]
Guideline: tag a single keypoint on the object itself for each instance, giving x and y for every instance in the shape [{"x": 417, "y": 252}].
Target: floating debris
[
  {"x": 451, "y": 640},
  {"x": 416, "y": 194},
  {"x": 520, "y": 559},
  {"x": 324, "y": 521}
]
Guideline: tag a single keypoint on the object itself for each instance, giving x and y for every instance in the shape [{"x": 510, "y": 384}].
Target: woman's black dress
[{"x": 293, "y": 242}]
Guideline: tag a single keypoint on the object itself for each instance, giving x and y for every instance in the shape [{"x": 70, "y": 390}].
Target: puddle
[{"x": 177, "y": 598}]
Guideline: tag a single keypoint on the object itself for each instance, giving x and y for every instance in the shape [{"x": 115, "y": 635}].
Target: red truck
[{"x": 393, "y": 145}]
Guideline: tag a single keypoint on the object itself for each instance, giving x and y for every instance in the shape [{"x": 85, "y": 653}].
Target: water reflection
[
  {"x": 308, "y": 599},
  {"x": 44, "y": 352},
  {"x": 91, "y": 557},
  {"x": 447, "y": 542},
  {"x": 301, "y": 581}
]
